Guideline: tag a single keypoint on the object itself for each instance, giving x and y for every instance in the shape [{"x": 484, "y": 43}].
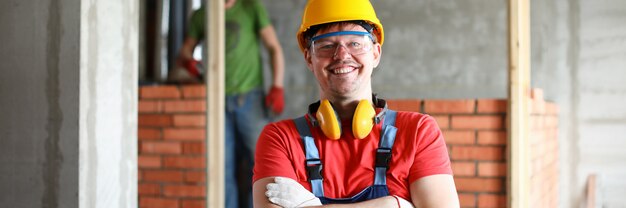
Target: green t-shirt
[{"x": 244, "y": 21}]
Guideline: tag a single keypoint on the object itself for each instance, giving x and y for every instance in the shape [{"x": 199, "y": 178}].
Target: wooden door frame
[
  {"x": 215, "y": 102},
  {"x": 518, "y": 174}
]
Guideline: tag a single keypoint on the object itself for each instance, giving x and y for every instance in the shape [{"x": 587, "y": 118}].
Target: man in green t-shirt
[{"x": 247, "y": 22}]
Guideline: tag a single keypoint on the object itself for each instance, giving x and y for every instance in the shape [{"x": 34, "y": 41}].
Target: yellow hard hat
[{"x": 318, "y": 12}]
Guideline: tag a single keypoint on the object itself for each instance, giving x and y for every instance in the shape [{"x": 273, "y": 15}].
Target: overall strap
[
  {"x": 383, "y": 153},
  {"x": 313, "y": 164}
]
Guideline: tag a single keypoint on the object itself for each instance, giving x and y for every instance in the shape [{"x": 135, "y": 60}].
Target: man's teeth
[{"x": 343, "y": 70}]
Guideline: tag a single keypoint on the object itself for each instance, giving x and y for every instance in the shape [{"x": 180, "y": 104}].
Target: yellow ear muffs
[
  {"x": 328, "y": 120},
  {"x": 363, "y": 119}
]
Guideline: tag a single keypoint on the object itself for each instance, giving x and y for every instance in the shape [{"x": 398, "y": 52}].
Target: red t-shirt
[{"x": 348, "y": 163}]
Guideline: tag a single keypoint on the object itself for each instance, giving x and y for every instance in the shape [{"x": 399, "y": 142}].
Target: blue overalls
[{"x": 383, "y": 156}]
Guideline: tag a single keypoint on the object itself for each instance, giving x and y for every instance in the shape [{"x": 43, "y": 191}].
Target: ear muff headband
[{"x": 363, "y": 121}]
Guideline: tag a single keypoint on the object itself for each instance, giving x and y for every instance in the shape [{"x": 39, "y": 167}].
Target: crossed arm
[{"x": 430, "y": 191}]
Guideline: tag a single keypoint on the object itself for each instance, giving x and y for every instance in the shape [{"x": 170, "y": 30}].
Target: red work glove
[
  {"x": 192, "y": 67},
  {"x": 275, "y": 99}
]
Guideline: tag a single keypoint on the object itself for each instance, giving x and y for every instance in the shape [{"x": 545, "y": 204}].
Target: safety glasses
[{"x": 354, "y": 42}]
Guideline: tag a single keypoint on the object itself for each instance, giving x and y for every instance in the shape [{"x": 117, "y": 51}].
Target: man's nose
[{"x": 341, "y": 52}]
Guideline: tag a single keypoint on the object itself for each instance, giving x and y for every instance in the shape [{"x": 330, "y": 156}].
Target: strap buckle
[
  {"x": 314, "y": 169},
  {"x": 383, "y": 157}
]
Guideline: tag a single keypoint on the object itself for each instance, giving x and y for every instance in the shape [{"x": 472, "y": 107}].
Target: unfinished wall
[
  {"x": 600, "y": 101},
  {"x": 457, "y": 49},
  {"x": 553, "y": 38},
  {"x": 432, "y": 49},
  {"x": 544, "y": 152},
  {"x": 39, "y": 103},
  {"x": 578, "y": 57},
  {"x": 474, "y": 130},
  {"x": 68, "y": 103},
  {"x": 172, "y": 147}
]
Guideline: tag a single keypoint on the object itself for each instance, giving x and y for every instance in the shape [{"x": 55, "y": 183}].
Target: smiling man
[{"x": 349, "y": 150}]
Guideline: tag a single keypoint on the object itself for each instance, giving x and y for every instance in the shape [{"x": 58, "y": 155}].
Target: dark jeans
[{"x": 245, "y": 118}]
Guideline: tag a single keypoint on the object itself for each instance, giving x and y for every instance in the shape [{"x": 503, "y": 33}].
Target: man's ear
[
  {"x": 307, "y": 58},
  {"x": 377, "y": 54}
]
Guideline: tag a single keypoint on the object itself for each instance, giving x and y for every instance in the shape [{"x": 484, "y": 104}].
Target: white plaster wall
[
  {"x": 601, "y": 100},
  {"x": 579, "y": 54},
  {"x": 578, "y": 58},
  {"x": 108, "y": 103}
]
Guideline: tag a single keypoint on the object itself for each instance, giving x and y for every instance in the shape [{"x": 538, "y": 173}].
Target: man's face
[{"x": 342, "y": 72}]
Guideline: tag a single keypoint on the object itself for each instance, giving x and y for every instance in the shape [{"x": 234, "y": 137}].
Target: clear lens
[{"x": 353, "y": 44}]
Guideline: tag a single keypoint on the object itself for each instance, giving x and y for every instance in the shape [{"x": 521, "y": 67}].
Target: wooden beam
[
  {"x": 215, "y": 103},
  {"x": 518, "y": 178}
]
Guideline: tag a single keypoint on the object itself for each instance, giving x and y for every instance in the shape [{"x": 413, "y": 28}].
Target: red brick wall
[
  {"x": 544, "y": 152},
  {"x": 475, "y": 133},
  {"x": 172, "y": 161},
  {"x": 171, "y": 147}
]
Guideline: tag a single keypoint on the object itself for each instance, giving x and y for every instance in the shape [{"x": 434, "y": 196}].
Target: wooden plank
[
  {"x": 215, "y": 103},
  {"x": 518, "y": 177}
]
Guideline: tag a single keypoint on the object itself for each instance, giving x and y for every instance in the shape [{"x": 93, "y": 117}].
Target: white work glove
[
  {"x": 403, "y": 203},
  {"x": 288, "y": 193}
]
